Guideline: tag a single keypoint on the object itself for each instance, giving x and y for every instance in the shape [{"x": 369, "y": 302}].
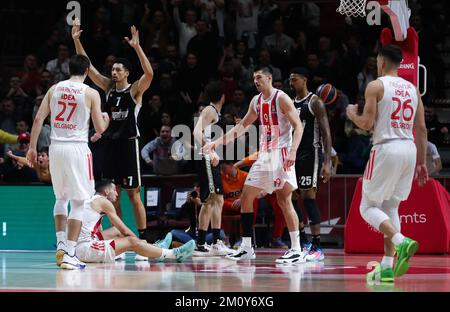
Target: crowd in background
[{"x": 190, "y": 42}]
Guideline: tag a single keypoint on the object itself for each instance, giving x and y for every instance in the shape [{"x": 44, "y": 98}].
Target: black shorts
[
  {"x": 209, "y": 178},
  {"x": 121, "y": 163},
  {"x": 307, "y": 168}
]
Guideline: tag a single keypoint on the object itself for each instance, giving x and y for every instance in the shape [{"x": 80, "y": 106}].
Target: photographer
[{"x": 189, "y": 211}]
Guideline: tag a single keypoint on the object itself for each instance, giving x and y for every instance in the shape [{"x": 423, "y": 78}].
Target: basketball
[{"x": 327, "y": 93}]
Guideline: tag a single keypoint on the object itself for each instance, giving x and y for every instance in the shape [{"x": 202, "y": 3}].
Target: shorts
[
  {"x": 71, "y": 170},
  {"x": 268, "y": 172},
  {"x": 96, "y": 251},
  {"x": 307, "y": 167},
  {"x": 390, "y": 171},
  {"x": 121, "y": 163},
  {"x": 209, "y": 178}
]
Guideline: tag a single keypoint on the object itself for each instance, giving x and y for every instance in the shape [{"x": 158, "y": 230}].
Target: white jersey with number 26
[{"x": 396, "y": 110}]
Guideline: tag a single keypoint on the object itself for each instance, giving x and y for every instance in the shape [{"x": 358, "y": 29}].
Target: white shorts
[
  {"x": 96, "y": 251},
  {"x": 71, "y": 170},
  {"x": 390, "y": 171},
  {"x": 268, "y": 173}
]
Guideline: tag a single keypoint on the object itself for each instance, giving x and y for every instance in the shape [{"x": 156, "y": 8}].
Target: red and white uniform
[
  {"x": 69, "y": 154},
  {"x": 91, "y": 247},
  {"x": 268, "y": 172},
  {"x": 390, "y": 169}
]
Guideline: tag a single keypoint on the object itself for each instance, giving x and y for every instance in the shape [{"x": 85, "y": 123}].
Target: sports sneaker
[
  {"x": 72, "y": 263},
  {"x": 404, "y": 251},
  {"x": 380, "y": 275},
  {"x": 243, "y": 253},
  {"x": 140, "y": 258},
  {"x": 220, "y": 249},
  {"x": 183, "y": 252},
  {"x": 121, "y": 257},
  {"x": 291, "y": 256},
  {"x": 278, "y": 243},
  {"x": 306, "y": 247},
  {"x": 315, "y": 254},
  {"x": 164, "y": 243},
  {"x": 60, "y": 251},
  {"x": 202, "y": 251}
]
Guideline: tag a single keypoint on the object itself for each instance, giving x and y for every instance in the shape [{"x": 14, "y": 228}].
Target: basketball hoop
[{"x": 353, "y": 8}]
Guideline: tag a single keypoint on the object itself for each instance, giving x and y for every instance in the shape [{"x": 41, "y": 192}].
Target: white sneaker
[
  {"x": 243, "y": 253},
  {"x": 72, "y": 263},
  {"x": 121, "y": 257},
  {"x": 220, "y": 249},
  {"x": 140, "y": 258},
  {"x": 202, "y": 251},
  {"x": 60, "y": 251},
  {"x": 292, "y": 256}
]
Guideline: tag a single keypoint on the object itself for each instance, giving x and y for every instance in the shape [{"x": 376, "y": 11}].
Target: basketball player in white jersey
[
  {"x": 274, "y": 170},
  {"x": 123, "y": 102},
  {"x": 393, "y": 109},
  {"x": 211, "y": 190},
  {"x": 103, "y": 246},
  {"x": 70, "y": 104}
]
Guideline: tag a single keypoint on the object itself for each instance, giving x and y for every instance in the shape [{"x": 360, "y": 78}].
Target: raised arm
[
  {"x": 237, "y": 130},
  {"x": 101, "y": 81},
  {"x": 366, "y": 121},
  {"x": 41, "y": 115},
  {"x": 99, "y": 119},
  {"x": 288, "y": 108},
  {"x": 421, "y": 142},
  {"x": 320, "y": 112},
  {"x": 140, "y": 86}
]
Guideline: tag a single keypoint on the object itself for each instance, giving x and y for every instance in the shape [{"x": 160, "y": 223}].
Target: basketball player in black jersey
[
  {"x": 123, "y": 101},
  {"x": 310, "y": 157},
  {"x": 211, "y": 190}
]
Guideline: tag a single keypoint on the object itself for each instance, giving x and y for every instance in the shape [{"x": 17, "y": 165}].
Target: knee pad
[
  {"x": 60, "y": 208},
  {"x": 76, "y": 210},
  {"x": 313, "y": 211},
  {"x": 372, "y": 214}
]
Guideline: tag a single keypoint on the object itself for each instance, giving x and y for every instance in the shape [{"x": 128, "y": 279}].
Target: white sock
[
  {"x": 247, "y": 242},
  {"x": 168, "y": 254},
  {"x": 60, "y": 237},
  {"x": 71, "y": 247},
  {"x": 387, "y": 262},
  {"x": 295, "y": 240},
  {"x": 397, "y": 239}
]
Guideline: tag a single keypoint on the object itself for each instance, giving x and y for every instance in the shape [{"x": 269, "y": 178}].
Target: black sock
[
  {"x": 303, "y": 238},
  {"x": 142, "y": 234},
  {"x": 201, "y": 237},
  {"x": 216, "y": 235},
  {"x": 247, "y": 224},
  {"x": 316, "y": 240}
]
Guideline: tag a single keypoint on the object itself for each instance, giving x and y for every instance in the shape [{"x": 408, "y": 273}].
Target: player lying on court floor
[{"x": 104, "y": 246}]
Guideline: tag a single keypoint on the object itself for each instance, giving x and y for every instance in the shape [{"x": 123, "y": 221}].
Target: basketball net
[{"x": 353, "y": 8}]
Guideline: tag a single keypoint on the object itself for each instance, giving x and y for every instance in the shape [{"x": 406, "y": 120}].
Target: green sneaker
[
  {"x": 405, "y": 250},
  {"x": 380, "y": 275},
  {"x": 185, "y": 251},
  {"x": 164, "y": 244}
]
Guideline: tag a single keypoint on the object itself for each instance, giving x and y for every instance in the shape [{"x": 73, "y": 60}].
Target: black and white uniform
[
  {"x": 209, "y": 176},
  {"x": 309, "y": 154},
  {"x": 121, "y": 162}
]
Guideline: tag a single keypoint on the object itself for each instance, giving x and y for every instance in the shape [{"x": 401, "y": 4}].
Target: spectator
[
  {"x": 434, "y": 163},
  {"x": 437, "y": 132},
  {"x": 186, "y": 30},
  {"x": 157, "y": 154},
  {"x": 7, "y": 115},
  {"x": 59, "y": 67},
  {"x": 191, "y": 83},
  {"x": 368, "y": 74},
  {"x": 46, "y": 81},
  {"x": 238, "y": 105},
  {"x": 205, "y": 46},
  {"x": 171, "y": 61},
  {"x": 279, "y": 45},
  {"x": 247, "y": 21},
  {"x": 155, "y": 27},
  {"x": 30, "y": 75},
  {"x": 243, "y": 55},
  {"x": 317, "y": 71},
  {"x": 107, "y": 66}
]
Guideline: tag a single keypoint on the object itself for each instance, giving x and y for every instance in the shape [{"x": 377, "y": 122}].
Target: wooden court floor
[{"x": 36, "y": 271}]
